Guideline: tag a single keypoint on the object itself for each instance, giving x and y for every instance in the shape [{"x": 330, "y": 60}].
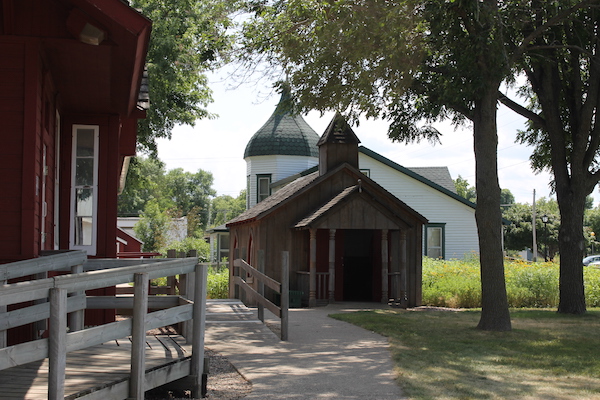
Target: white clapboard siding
[
  {"x": 460, "y": 229},
  {"x": 279, "y": 166}
]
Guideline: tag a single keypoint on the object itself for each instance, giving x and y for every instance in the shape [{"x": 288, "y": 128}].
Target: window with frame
[
  {"x": 435, "y": 241},
  {"x": 263, "y": 187},
  {"x": 84, "y": 188}
]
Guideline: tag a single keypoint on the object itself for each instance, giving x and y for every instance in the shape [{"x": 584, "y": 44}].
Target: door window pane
[{"x": 85, "y": 171}]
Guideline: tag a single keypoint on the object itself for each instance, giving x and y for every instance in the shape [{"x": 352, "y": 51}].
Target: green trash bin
[{"x": 295, "y": 298}]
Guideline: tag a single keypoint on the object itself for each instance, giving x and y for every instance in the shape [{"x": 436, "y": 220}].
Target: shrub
[{"x": 218, "y": 284}]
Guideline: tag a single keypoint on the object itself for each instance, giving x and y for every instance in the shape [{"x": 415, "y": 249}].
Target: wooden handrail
[
  {"x": 282, "y": 288},
  {"x": 60, "y": 342},
  {"x": 32, "y": 290},
  {"x": 56, "y": 262},
  {"x": 267, "y": 280}
]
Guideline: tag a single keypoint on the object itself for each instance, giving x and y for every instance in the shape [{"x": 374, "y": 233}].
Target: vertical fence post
[
  {"x": 233, "y": 271},
  {"x": 199, "y": 321},
  {"x": 138, "y": 336},
  {"x": 261, "y": 285},
  {"x": 285, "y": 294},
  {"x": 57, "y": 345},
  {"x": 76, "y": 322}
]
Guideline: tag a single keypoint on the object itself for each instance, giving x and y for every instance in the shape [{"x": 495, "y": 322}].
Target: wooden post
[
  {"x": 285, "y": 294},
  {"x": 261, "y": 285},
  {"x": 332, "y": 265},
  {"x": 384, "y": 266},
  {"x": 42, "y": 325},
  {"x": 186, "y": 290},
  {"x": 138, "y": 337},
  {"x": 312, "y": 288},
  {"x": 403, "y": 271},
  {"x": 233, "y": 271},
  {"x": 76, "y": 323},
  {"x": 57, "y": 345},
  {"x": 199, "y": 321}
]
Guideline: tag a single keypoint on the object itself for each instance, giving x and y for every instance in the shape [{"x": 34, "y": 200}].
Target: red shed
[{"x": 70, "y": 76}]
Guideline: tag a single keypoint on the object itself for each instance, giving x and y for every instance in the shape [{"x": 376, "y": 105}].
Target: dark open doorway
[{"x": 358, "y": 265}]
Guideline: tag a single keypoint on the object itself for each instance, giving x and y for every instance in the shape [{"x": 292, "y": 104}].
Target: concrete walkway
[{"x": 323, "y": 358}]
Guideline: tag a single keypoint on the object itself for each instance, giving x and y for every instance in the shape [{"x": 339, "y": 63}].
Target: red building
[{"x": 70, "y": 77}]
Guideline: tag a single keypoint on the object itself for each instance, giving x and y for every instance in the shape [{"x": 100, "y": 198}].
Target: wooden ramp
[{"x": 100, "y": 372}]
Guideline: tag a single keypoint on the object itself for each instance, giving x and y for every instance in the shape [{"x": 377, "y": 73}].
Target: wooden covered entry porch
[{"x": 367, "y": 265}]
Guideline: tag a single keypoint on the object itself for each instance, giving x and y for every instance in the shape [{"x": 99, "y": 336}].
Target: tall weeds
[{"x": 457, "y": 284}]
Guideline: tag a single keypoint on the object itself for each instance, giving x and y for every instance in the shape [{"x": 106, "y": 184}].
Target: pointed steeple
[{"x": 338, "y": 145}]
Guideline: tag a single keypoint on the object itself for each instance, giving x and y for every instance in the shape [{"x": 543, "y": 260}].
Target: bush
[
  {"x": 218, "y": 284},
  {"x": 190, "y": 243},
  {"x": 457, "y": 284}
]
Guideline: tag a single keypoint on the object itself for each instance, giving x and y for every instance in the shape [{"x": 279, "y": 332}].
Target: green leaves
[
  {"x": 189, "y": 38},
  {"x": 178, "y": 192}
]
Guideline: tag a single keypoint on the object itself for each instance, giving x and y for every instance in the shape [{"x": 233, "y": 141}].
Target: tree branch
[
  {"x": 538, "y": 121},
  {"x": 551, "y": 22}
]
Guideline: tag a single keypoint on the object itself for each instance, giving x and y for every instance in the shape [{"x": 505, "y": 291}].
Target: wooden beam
[
  {"x": 55, "y": 262},
  {"x": 384, "y": 266},
  {"x": 267, "y": 280},
  {"x": 27, "y": 315},
  {"x": 38, "y": 289},
  {"x": 77, "y": 320},
  {"x": 285, "y": 293},
  {"x": 199, "y": 321},
  {"x": 332, "y": 265},
  {"x": 312, "y": 286},
  {"x": 138, "y": 337},
  {"x": 126, "y": 302},
  {"x": 248, "y": 289},
  {"x": 57, "y": 350}
]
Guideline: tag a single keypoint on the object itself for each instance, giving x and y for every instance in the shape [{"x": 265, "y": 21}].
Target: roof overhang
[{"x": 99, "y": 68}]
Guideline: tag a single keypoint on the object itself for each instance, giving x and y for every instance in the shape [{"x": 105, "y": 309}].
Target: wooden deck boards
[{"x": 97, "y": 366}]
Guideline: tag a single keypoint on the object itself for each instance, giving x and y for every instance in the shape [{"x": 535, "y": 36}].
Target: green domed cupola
[{"x": 284, "y": 134}]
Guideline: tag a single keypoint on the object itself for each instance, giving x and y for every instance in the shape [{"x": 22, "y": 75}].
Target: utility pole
[{"x": 535, "y": 251}]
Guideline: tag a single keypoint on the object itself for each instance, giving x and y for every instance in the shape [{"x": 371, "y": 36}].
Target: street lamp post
[
  {"x": 545, "y": 221},
  {"x": 593, "y": 235}
]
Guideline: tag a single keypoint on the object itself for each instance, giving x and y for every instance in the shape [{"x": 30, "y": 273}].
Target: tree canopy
[
  {"x": 178, "y": 192},
  {"x": 225, "y": 207},
  {"x": 189, "y": 38}
]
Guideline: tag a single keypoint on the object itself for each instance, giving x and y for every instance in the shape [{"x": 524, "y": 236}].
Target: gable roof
[
  {"x": 442, "y": 186},
  {"x": 275, "y": 199},
  {"x": 290, "y": 191},
  {"x": 438, "y": 175}
]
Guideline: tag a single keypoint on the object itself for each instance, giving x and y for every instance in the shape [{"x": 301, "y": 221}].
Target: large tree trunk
[
  {"x": 494, "y": 314},
  {"x": 571, "y": 247},
  {"x": 572, "y": 180}
]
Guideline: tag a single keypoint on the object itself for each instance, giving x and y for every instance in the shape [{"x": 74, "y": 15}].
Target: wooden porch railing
[
  {"x": 60, "y": 295},
  {"x": 264, "y": 280}
]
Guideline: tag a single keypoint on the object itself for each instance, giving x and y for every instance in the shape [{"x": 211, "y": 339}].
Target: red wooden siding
[{"x": 12, "y": 78}]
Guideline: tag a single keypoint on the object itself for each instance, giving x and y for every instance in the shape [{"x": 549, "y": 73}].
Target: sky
[{"x": 218, "y": 145}]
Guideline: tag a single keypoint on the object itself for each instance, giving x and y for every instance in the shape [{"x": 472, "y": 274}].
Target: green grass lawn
[{"x": 441, "y": 354}]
